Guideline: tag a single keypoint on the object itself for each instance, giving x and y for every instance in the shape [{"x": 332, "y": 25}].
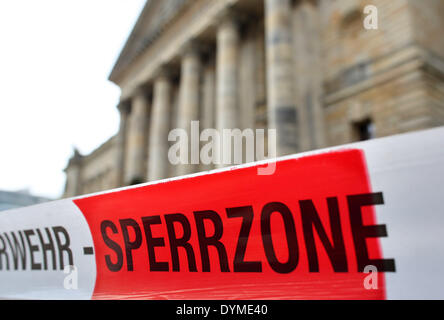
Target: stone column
[
  {"x": 158, "y": 163},
  {"x": 308, "y": 62},
  {"x": 208, "y": 97},
  {"x": 227, "y": 60},
  {"x": 207, "y": 116},
  {"x": 138, "y": 121},
  {"x": 124, "y": 109},
  {"x": 261, "y": 119},
  {"x": 189, "y": 102},
  {"x": 282, "y": 114}
]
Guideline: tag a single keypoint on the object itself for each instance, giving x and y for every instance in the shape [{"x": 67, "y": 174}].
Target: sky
[{"x": 55, "y": 59}]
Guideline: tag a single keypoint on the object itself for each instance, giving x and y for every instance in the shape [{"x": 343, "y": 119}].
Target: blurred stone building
[{"x": 307, "y": 68}]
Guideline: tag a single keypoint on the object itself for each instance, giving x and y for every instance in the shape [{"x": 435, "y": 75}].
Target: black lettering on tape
[
  {"x": 332, "y": 240},
  {"x": 63, "y": 246},
  {"x": 23, "y": 246},
  {"x": 290, "y": 231},
  {"x": 361, "y": 232},
  {"x": 239, "y": 264},
  {"x": 125, "y": 224},
  {"x": 88, "y": 251},
  {"x": 117, "y": 266},
  {"x": 152, "y": 243},
  {"x": 17, "y": 250},
  {"x": 32, "y": 249},
  {"x": 214, "y": 240},
  {"x": 3, "y": 254},
  {"x": 175, "y": 243},
  {"x": 47, "y": 246},
  {"x": 310, "y": 222}
]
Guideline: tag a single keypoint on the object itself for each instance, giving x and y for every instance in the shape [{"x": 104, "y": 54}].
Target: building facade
[{"x": 307, "y": 68}]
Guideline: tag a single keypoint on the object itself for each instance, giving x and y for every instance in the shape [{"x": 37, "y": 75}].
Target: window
[{"x": 364, "y": 130}]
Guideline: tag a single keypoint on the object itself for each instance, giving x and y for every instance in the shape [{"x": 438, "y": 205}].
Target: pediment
[{"x": 155, "y": 15}]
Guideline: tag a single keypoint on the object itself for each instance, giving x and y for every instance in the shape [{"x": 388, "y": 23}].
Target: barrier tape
[{"x": 317, "y": 228}]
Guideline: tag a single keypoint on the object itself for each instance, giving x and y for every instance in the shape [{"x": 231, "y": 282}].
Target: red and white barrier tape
[{"x": 308, "y": 231}]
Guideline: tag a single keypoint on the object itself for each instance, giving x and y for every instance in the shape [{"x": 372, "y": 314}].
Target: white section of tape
[
  {"x": 409, "y": 170},
  {"x": 47, "y": 284}
]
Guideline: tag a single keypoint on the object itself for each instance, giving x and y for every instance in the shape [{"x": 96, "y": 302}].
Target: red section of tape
[{"x": 271, "y": 261}]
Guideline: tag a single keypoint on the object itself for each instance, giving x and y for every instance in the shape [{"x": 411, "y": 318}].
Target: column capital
[
  {"x": 163, "y": 72},
  {"x": 124, "y": 107},
  {"x": 301, "y": 2},
  {"x": 194, "y": 47},
  {"x": 141, "y": 90},
  {"x": 231, "y": 17}
]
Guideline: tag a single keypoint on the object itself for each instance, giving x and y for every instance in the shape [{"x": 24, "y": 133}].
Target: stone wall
[{"x": 380, "y": 74}]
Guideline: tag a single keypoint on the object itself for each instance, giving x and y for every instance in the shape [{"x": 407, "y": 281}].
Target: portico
[{"x": 208, "y": 61}]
